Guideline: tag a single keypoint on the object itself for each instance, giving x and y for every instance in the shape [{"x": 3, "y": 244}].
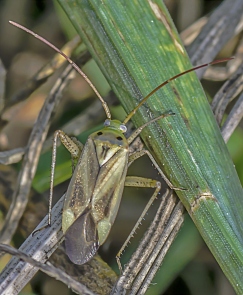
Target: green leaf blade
[{"x": 137, "y": 48}]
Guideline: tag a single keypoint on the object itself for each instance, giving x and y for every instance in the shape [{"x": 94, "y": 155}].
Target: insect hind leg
[
  {"x": 136, "y": 181},
  {"x": 143, "y": 152}
]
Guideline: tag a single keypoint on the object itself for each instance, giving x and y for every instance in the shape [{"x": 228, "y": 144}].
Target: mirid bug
[{"x": 93, "y": 196}]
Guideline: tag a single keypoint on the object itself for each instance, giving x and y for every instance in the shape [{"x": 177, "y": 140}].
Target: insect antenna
[
  {"x": 104, "y": 104},
  {"x": 74, "y": 65},
  {"x": 129, "y": 116}
]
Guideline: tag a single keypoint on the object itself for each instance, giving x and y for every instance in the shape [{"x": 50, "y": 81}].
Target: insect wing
[
  {"x": 81, "y": 239},
  {"x": 93, "y": 198},
  {"x": 79, "y": 228},
  {"x": 108, "y": 192}
]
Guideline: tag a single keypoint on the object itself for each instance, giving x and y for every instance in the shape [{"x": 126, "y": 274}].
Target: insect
[{"x": 94, "y": 193}]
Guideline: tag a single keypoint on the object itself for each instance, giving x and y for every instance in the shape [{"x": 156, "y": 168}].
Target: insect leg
[
  {"x": 74, "y": 150},
  {"x": 136, "y": 181},
  {"x": 74, "y": 157},
  {"x": 74, "y": 147},
  {"x": 140, "y": 129},
  {"x": 141, "y": 153}
]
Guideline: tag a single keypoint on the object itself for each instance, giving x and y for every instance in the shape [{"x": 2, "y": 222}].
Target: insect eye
[
  {"x": 107, "y": 123},
  {"x": 119, "y": 138},
  {"x": 123, "y": 128},
  {"x": 99, "y": 133}
]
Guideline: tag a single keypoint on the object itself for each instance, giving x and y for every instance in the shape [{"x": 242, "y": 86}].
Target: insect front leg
[
  {"x": 136, "y": 181},
  {"x": 74, "y": 147},
  {"x": 141, "y": 153},
  {"x": 143, "y": 182}
]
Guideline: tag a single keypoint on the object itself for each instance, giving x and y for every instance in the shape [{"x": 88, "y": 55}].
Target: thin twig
[
  {"x": 233, "y": 119},
  {"x": 31, "y": 158},
  {"x": 11, "y": 156},
  {"x": 2, "y": 85},
  {"x": 190, "y": 33},
  {"x": 40, "y": 247},
  {"x": 223, "y": 73},
  {"x": 227, "y": 92},
  {"x": 44, "y": 73},
  {"x": 46, "y": 268},
  {"x": 214, "y": 35},
  {"x": 163, "y": 250},
  {"x": 143, "y": 265}
]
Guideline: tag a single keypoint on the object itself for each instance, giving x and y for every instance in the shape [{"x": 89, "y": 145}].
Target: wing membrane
[
  {"x": 92, "y": 201},
  {"x": 82, "y": 239},
  {"x": 80, "y": 189},
  {"x": 108, "y": 192}
]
